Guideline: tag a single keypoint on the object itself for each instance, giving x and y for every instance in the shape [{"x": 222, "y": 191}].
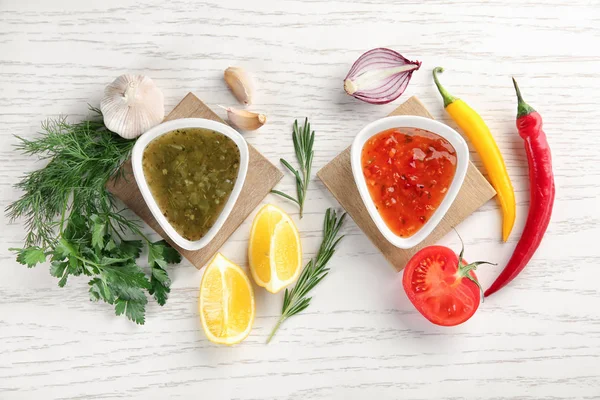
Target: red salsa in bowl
[{"x": 408, "y": 173}]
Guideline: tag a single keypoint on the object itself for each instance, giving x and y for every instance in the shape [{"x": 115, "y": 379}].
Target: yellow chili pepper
[{"x": 479, "y": 134}]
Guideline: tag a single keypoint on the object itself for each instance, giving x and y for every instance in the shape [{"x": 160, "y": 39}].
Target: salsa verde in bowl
[
  {"x": 190, "y": 172},
  {"x": 408, "y": 171}
]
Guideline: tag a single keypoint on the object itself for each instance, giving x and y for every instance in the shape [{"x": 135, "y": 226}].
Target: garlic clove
[
  {"x": 245, "y": 120},
  {"x": 240, "y": 84},
  {"x": 131, "y": 105}
]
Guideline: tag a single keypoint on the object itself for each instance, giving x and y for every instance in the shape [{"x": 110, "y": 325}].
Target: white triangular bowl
[
  {"x": 414, "y": 122},
  {"x": 138, "y": 172}
]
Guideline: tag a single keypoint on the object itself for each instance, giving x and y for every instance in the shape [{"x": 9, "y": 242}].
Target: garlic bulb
[
  {"x": 240, "y": 84},
  {"x": 131, "y": 105}
]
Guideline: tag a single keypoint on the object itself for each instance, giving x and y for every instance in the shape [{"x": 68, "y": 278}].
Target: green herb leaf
[
  {"x": 110, "y": 245},
  {"x": 159, "y": 255},
  {"x": 160, "y": 285},
  {"x": 58, "y": 268},
  {"x": 98, "y": 232},
  {"x": 134, "y": 310},
  {"x": 125, "y": 276},
  {"x": 170, "y": 255},
  {"x": 287, "y": 196},
  {"x": 99, "y": 289},
  {"x": 130, "y": 248},
  {"x": 63, "y": 280},
  {"x": 161, "y": 276},
  {"x": 64, "y": 249},
  {"x": 156, "y": 255},
  {"x": 30, "y": 256},
  {"x": 77, "y": 228}
]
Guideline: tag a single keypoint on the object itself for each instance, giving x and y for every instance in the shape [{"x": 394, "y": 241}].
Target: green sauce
[{"x": 191, "y": 173}]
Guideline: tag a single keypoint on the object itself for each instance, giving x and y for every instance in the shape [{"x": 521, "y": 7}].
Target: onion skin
[{"x": 379, "y": 76}]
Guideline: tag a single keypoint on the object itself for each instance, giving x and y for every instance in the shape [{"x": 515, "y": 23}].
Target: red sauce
[{"x": 408, "y": 176}]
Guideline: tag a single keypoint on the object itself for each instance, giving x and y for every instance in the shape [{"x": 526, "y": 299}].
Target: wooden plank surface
[
  {"x": 337, "y": 177},
  {"x": 360, "y": 338},
  {"x": 260, "y": 179}
]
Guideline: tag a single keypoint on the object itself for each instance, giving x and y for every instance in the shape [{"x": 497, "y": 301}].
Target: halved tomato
[{"x": 442, "y": 286}]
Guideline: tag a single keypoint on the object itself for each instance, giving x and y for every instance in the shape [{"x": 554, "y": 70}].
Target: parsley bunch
[{"x": 72, "y": 220}]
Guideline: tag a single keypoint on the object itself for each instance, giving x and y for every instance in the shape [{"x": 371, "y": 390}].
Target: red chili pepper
[{"x": 541, "y": 181}]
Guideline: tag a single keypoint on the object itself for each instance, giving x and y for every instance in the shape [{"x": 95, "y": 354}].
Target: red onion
[{"x": 379, "y": 76}]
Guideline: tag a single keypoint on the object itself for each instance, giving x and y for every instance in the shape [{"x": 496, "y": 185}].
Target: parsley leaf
[
  {"x": 99, "y": 289},
  {"x": 134, "y": 310},
  {"x": 125, "y": 276},
  {"x": 60, "y": 269},
  {"x": 30, "y": 256},
  {"x": 98, "y": 231},
  {"x": 160, "y": 285},
  {"x": 110, "y": 245},
  {"x": 171, "y": 255},
  {"x": 159, "y": 255},
  {"x": 156, "y": 255},
  {"x": 130, "y": 248}
]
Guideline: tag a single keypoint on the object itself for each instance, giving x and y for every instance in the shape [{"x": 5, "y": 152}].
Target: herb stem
[
  {"x": 86, "y": 261},
  {"x": 115, "y": 230},
  {"x": 62, "y": 218},
  {"x": 276, "y": 328}
]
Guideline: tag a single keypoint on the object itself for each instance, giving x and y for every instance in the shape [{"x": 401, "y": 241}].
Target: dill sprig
[
  {"x": 82, "y": 158},
  {"x": 71, "y": 218},
  {"x": 296, "y": 300},
  {"x": 303, "y": 146}
]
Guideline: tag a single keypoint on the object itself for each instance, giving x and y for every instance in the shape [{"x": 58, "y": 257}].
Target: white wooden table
[{"x": 539, "y": 338}]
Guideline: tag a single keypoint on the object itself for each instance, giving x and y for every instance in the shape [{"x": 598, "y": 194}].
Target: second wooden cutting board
[{"x": 337, "y": 177}]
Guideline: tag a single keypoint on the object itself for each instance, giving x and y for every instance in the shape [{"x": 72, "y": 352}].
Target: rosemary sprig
[
  {"x": 303, "y": 146},
  {"x": 296, "y": 300}
]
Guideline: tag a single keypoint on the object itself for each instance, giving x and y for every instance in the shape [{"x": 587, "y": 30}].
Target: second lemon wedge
[
  {"x": 274, "y": 250},
  {"x": 226, "y": 302}
]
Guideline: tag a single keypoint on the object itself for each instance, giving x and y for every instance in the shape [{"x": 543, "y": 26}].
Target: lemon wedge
[
  {"x": 226, "y": 302},
  {"x": 274, "y": 250}
]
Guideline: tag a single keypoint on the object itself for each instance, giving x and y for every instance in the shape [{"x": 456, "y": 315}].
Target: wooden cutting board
[
  {"x": 262, "y": 176},
  {"x": 337, "y": 177}
]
